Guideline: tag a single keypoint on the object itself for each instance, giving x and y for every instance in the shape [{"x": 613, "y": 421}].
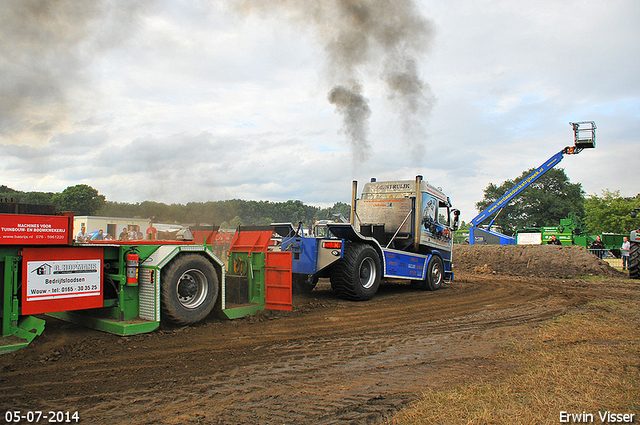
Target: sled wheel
[{"x": 189, "y": 289}]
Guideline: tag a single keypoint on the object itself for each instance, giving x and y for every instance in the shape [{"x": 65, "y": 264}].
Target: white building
[
  {"x": 111, "y": 225},
  {"x": 114, "y": 225}
]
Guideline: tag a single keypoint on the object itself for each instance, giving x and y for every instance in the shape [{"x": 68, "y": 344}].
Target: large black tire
[
  {"x": 357, "y": 275},
  {"x": 435, "y": 275},
  {"x": 189, "y": 289},
  {"x": 634, "y": 261}
]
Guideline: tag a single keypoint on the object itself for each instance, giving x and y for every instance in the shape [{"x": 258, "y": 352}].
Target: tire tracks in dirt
[{"x": 328, "y": 361}]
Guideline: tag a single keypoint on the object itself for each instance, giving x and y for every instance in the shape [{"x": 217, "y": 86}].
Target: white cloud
[{"x": 192, "y": 102}]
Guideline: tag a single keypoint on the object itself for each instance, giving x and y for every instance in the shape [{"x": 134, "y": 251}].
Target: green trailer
[{"x": 128, "y": 287}]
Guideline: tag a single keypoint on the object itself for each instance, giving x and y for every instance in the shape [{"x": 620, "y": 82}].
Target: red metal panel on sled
[
  {"x": 251, "y": 240},
  {"x": 204, "y": 234},
  {"x": 278, "y": 281},
  {"x": 61, "y": 279},
  {"x": 30, "y": 229}
]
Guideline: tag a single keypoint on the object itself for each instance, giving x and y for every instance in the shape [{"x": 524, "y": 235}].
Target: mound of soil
[{"x": 531, "y": 260}]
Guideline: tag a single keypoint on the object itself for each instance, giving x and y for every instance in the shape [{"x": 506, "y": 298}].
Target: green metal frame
[
  {"x": 121, "y": 316},
  {"x": 100, "y": 320},
  {"x": 120, "y": 313},
  {"x": 25, "y": 331},
  {"x": 17, "y": 331},
  {"x": 255, "y": 275}
]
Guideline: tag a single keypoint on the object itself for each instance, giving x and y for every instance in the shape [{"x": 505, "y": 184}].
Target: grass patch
[
  {"x": 592, "y": 277},
  {"x": 588, "y": 361}
]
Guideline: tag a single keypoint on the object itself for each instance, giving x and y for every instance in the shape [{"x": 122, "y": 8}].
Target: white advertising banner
[
  {"x": 529, "y": 238},
  {"x": 56, "y": 279}
]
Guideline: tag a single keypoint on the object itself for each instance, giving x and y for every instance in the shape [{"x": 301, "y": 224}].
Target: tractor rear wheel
[
  {"x": 357, "y": 275},
  {"x": 634, "y": 260},
  {"x": 189, "y": 289}
]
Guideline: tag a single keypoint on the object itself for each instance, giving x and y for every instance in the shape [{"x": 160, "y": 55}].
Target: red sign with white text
[
  {"x": 61, "y": 279},
  {"x": 27, "y": 229}
]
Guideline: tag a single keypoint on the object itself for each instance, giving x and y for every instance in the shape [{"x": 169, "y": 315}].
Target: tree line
[
  {"x": 85, "y": 200},
  {"x": 550, "y": 198}
]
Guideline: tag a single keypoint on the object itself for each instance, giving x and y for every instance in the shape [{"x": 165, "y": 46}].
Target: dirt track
[{"x": 327, "y": 361}]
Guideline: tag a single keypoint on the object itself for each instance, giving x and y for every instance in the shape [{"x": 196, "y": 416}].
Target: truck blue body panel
[
  {"x": 396, "y": 264},
  {"x": 404, "y": 265},
  {"x": 304, "y": 254}
]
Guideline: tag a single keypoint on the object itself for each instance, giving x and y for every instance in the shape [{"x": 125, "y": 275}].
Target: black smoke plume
[
  {"x": 358, "y": 36},
  {"x": 355, "y": 111}
]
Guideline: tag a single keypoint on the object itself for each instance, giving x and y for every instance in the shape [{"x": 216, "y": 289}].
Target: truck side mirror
[{"x": 456, "y": 219}]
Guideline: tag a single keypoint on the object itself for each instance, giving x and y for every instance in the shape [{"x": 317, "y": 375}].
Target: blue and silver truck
[{"x": 398, "y": 229}]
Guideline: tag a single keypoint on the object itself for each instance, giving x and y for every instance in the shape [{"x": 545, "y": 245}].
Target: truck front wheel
[
  {"x": 435, "y": 275},
  {"x": 189, "y": 289},
  {"x": 634, "y": 261},
  {"x": 357, "y": 276}
]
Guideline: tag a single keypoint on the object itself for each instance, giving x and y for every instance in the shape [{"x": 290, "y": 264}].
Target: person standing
[
  {"x": 554, "y": 241},
  {"x": 624, "y": 251},
  {"x": 597, "y": 247},
  {"x": 151, "y": 232}
]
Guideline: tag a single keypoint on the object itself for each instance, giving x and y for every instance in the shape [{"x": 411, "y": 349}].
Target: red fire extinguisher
[{"x": 133, "y": 260}]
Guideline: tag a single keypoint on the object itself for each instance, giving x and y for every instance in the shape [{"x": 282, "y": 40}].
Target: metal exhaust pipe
[
  {"x": 417, "y": 222},
  {"x": 354, "y": 195}
]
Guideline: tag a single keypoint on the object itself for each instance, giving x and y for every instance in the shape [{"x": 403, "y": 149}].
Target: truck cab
[{"x": 406, "y": 215}]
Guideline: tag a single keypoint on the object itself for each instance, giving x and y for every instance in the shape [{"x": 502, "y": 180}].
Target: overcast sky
[{"x": 274, "y": 100}]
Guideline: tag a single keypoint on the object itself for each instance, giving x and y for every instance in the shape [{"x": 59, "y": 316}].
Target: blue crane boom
[
  {"x": 581, "y": 142},
  {"x": 504, "y": 199}
]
